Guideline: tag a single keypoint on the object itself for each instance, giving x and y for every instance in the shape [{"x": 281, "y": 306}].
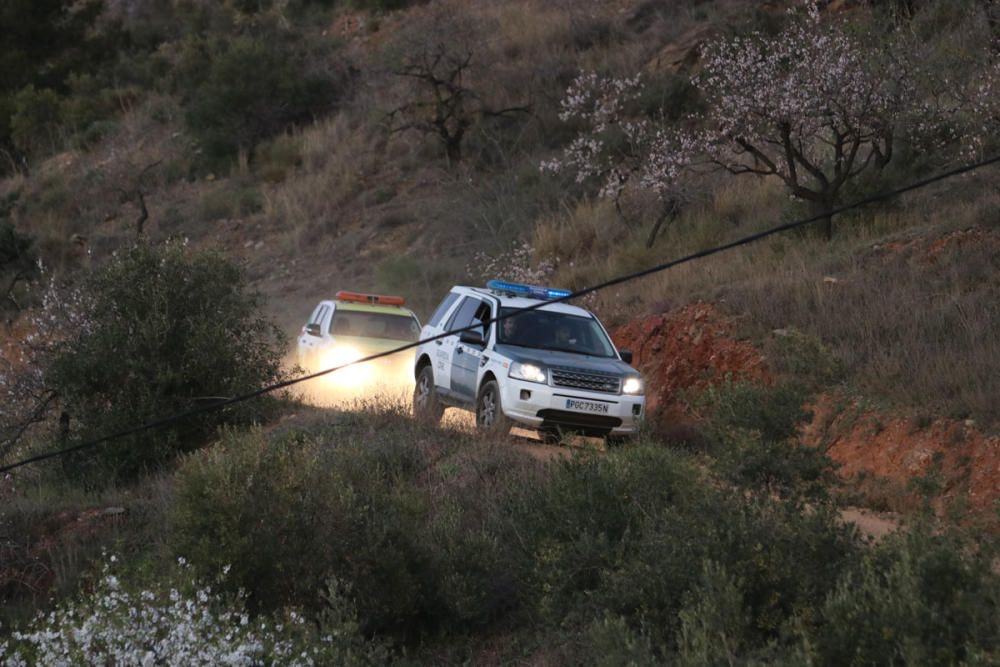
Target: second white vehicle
[{"x": 552, "y": 368}]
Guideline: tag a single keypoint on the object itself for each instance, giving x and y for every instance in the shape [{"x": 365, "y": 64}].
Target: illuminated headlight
[
  {"x": 529, "y": 372},
  {"x": 632, "y": 385},
  {"x": 350, "y": 376}
]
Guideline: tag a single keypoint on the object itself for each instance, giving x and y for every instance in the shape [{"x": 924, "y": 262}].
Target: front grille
[
  {"x": 582, "y": 422},
  {"x": 606, "y": 383}
]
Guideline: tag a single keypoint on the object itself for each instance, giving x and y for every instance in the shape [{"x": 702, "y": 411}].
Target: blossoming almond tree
[
  {"x": 814, "y": 106},
  {"x": 619, "y": 151}
]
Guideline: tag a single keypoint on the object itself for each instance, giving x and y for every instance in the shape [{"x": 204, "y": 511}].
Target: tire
[
  {"x": 426, "y": 406},
  {"x": 550, "y": 436},
  {"x": 617, "y": 441},
  {"x": 489, "y": 410}
]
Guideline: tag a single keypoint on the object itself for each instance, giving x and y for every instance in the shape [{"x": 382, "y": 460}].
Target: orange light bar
[{"x": 380, "y": 299}]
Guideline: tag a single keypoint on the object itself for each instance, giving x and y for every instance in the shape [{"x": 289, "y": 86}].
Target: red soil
[
  {"x": 687, "y": 349},
  {"x": 893, "y": 449},
  {"x": 693, "y": 347}
]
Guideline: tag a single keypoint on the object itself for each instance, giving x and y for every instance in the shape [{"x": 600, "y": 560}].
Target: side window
[
  {"x": 442, "y": 309},
  {"x": 321, "y": 315},
  {"x": 463, "y": 314},
  {"x": 342, "y": 324},
  {"x": 483, "y": 315}
]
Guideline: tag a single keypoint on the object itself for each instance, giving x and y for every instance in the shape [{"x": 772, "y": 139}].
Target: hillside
[{"x": 405, "y": 147}]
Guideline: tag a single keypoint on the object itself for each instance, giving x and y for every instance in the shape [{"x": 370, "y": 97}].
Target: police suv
[{"x": 553, "y": 368}]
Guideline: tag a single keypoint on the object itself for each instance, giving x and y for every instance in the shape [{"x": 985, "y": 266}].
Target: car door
[
  {"x": 447, "y": 350},
  {"x": 466, "y": 357},
  {"x": 311, "y": 338}
]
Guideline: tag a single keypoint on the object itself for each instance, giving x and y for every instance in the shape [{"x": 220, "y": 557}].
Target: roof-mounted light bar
[
  {"x": 373, "y": 299},
  {"x": 529, "y": 291}
]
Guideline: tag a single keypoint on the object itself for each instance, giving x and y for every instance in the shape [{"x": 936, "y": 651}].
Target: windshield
[
  {"x": 548, "y": 330},
  {"x": 374, "y": 325}
]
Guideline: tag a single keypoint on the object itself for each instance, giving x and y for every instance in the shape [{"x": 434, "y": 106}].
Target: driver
[
  {"x": 564, "y": 336},
  {"x": 510, "y": 329}
]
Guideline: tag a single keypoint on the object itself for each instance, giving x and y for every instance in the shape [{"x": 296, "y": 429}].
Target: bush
[
  {"x": 750, "y": 438},
  {"x": 373, "y": 504},
  {"x": 627, "y": 535},
  {"x": 35, "y": 120},
  {"x": 168, "y": 329},
  {"x": 231, "y": 200},
  {"x": 15, "y": 248},
  {"x": 917, "y": 599},
  {"x": 228, "y": 111},
  {"x": 17, "y": 258},
  {"x": 773, "y": 411}
]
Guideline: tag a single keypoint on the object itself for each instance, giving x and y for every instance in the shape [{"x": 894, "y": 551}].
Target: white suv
[{"x": 553, "y": 368}]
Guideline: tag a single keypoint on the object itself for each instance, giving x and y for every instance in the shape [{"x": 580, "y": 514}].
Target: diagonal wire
[{"x": 657, "y": 268}]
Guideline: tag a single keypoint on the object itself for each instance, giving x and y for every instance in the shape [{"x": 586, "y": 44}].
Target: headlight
[
  {"x": 529, "y": 372},
  {"x": 632, "y": 385}
]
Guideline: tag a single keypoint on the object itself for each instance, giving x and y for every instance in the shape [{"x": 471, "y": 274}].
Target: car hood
[
  {"x": 550, "y": 358},
  {"x": 369, "y": 346}
]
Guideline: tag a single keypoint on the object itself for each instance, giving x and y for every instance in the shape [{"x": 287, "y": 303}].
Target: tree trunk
[
  {"x": 453, "y": 148},
  {"x": 669, "y": 213},
  {"x": 821, "y": 209}
]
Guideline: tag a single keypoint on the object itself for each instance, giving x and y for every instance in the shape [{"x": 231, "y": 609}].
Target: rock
[{"x": 248, "y": 244}]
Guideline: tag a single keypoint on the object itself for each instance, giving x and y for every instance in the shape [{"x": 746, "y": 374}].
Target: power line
[{"x": 746, "y": 240}]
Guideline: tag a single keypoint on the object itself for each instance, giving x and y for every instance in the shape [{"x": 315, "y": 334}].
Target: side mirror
[
  {"x": 626, "y": 356},
  {"x": 313, "y": 329},
  {"x": 472, "y": 337}
]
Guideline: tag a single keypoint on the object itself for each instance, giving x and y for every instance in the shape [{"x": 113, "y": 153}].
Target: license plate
[{"x": 586, "y": 406}]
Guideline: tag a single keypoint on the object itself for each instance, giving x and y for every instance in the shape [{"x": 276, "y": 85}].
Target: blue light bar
[{"x": 530, "y": 291}]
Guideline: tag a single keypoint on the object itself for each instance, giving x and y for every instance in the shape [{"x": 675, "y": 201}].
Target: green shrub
[
  {"x": 35, "y": 120},
  {"x": 17, "y": 257},
  {"x": 370, "y": 503},
  {"x": 230, "y": 200},
  {"x": 746, "y": 459},
  {"x": 228, "y": 111},
  {"x": 773, "y": 411},
  {"x": 15, "y": 248},
  {"x": 919, "y": 598},
  {"x": 628, "y": 535},
  {"x": 88, "y": 104},
  {"x": 714, "y": 621},
  {"x": 750, "y": 438},
  {"x": 165, "y": 330}
]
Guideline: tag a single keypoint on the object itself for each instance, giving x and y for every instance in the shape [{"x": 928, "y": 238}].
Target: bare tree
[
  {"x": 441, "y": 103},
  {"x": 137, "y": 191}
]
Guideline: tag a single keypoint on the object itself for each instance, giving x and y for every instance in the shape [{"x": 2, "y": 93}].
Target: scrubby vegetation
[
  {"x": 439, "y": 546},
  {"x": 157, "y": 331},
  {"x": 175, "y": 172}
]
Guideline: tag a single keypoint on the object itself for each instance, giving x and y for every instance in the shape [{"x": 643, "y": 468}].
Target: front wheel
[
  {"x": 426, "y": 406},
  {"x": 489, "y": 410},
  {"x": 616, "y": 441}
]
